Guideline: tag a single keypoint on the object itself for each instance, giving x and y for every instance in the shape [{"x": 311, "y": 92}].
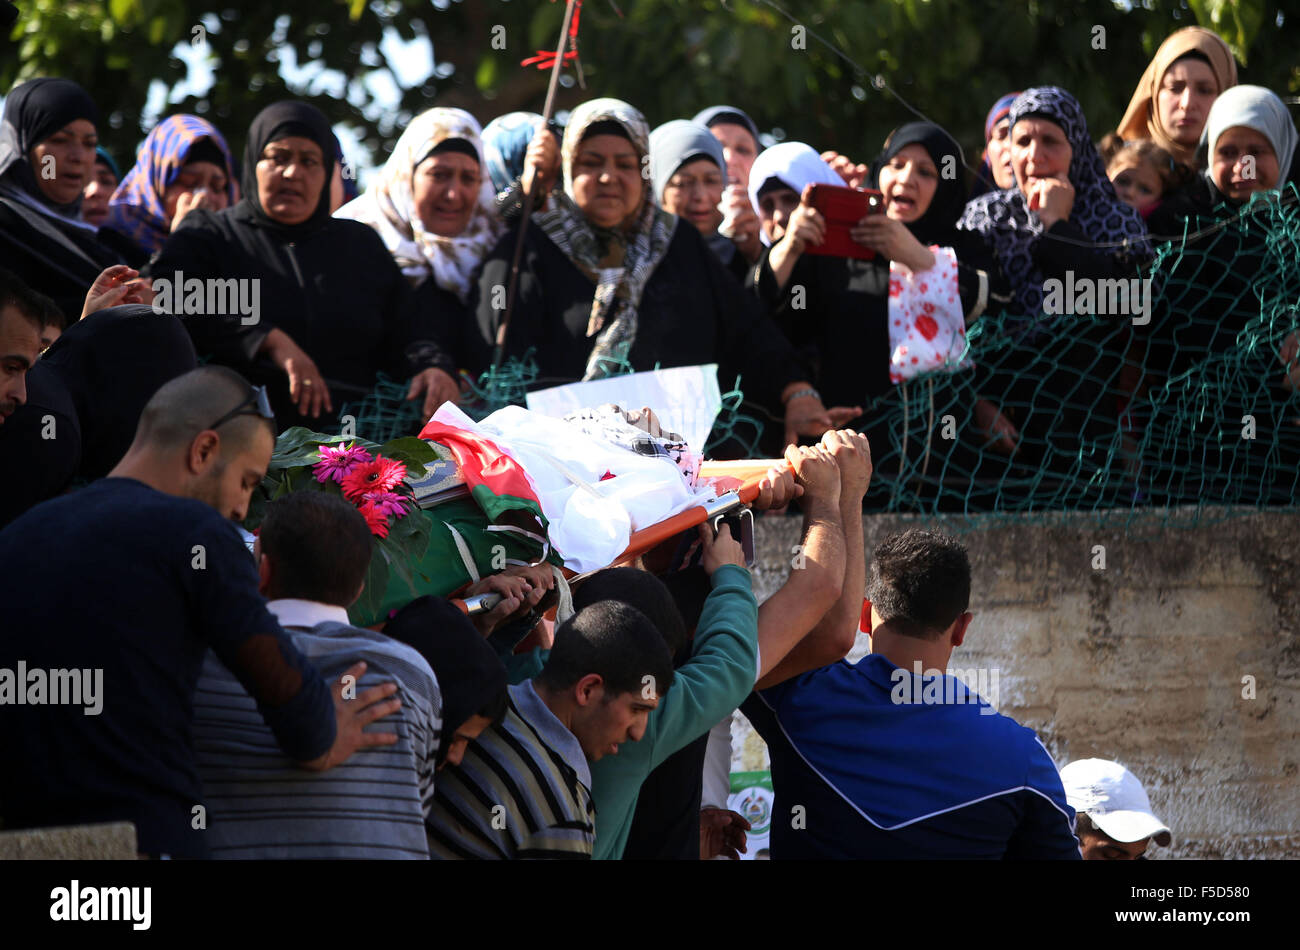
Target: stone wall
[
  {"x": 114, "y": 841},
  {"x": 1149, "y": 661}
]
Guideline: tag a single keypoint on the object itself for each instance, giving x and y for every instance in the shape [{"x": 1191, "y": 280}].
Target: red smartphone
[{"x": 843, "y": 207}]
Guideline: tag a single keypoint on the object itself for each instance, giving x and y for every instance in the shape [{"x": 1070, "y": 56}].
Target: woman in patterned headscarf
[
  {"x": 1062, "y": 205},
  {"x": 1062, "y": 222},
  {"x": 432, "y": 202},
  {"x": 607, "y": 278},
  {"x": 183, "y": 164}
]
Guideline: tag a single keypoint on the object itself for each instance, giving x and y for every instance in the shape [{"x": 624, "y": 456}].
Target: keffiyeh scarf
[{"x": 618, "y": 261}]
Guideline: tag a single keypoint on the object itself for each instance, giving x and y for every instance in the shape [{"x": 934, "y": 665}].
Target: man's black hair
[
  {"x": 643, "y": 591},
  {"x": 613, "y": 640},
  {"x": 690, "y": 589},
  {"x": 38, "y": 309},
  {"x": 319, "y": 546},
  {"x": 185, "y": 406},
  {"x": 920, "y": 582}
]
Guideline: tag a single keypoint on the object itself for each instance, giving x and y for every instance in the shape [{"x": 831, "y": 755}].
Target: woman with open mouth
[{"x": 47, "y": 157}]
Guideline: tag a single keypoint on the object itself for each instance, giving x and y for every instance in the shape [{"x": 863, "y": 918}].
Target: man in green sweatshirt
[{"x": 735, "y": 642}]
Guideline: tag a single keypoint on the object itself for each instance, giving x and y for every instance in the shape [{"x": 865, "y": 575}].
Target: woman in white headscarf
[
  {"x": 609, "y": 280},
  {"x": 431, "y": 204},
  {"x": 1225, "y": 338}
]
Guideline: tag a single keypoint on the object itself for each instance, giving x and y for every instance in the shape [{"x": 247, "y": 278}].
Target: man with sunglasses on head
[{"x": 120, "y": 588}]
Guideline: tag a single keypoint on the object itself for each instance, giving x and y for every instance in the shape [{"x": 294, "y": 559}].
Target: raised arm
[
  {"x": 817, "y": 568},
  {"x": 834, "y": 629}
]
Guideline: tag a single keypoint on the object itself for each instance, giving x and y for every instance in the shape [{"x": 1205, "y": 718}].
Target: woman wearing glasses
[{"x": 323, "y": 308}]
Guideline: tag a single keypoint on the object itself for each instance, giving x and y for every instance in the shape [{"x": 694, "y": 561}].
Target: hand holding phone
[{"x": 842, "y": 208}]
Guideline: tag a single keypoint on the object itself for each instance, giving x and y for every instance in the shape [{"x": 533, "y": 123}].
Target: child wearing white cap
[{"x": 1114, "y": 817}]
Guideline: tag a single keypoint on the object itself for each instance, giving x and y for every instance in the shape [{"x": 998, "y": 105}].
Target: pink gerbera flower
[
  {"x": 390, "y": 503},
  {"x": 377, "y": 475},
  {"x": 338, "y": 462}
]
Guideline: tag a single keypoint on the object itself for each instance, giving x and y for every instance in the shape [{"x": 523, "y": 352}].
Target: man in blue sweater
[
  {"x": 892, "y": 758},
  {"x": 128, "y": 582}
]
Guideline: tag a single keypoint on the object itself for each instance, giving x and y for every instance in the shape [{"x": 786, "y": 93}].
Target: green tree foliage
[{"x": 948, "y": 58}]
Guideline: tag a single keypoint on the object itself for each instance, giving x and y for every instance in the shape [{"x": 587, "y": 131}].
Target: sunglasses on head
[{"x": 256, "y": 403}]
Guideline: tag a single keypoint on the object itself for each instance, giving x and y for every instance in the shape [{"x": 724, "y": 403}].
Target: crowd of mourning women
[{"x": 683, "y": 245}]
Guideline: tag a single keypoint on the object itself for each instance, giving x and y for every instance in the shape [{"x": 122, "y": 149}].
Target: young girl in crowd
[{"x": 1142, "y": 172}]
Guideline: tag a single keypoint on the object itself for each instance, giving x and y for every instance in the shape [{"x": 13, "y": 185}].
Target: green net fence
[{"x": 1186, "y": 398}]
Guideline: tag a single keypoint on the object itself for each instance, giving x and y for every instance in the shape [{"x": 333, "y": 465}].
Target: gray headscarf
[
  {"x": 1253, "y": 107},
  {"x": 675, "y": 143}
]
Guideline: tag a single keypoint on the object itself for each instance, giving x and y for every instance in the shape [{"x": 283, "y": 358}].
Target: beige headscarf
[
  {"x": 388, "y": 206},
  {"x": 1142, "y": 120},
  {"x": 619, "y": 261}
]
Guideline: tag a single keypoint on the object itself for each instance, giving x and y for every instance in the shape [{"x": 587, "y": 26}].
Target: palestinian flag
[{"x": 496, "y": 480}]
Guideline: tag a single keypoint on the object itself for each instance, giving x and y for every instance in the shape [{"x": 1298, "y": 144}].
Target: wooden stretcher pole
[{"x": 529, "y": 197}]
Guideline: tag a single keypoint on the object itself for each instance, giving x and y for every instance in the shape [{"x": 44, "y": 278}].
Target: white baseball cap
[{"x": 1112, "y": 797}]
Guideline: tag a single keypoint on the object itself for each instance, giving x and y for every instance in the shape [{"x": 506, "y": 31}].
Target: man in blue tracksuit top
[{"x": 893, "y": 758}]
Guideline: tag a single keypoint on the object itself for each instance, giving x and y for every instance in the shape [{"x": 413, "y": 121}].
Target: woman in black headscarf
[
  {"x": 47, "y": 157},
  {"x": 322, "y": 308},
  {"x": 85, "y": 397},
  {"x": 869, "y": 325}
]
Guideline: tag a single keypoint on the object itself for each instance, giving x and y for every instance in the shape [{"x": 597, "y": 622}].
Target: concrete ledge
[
  {"x": 1149, "y": 661},
  {"x": 114, "y": 841}
]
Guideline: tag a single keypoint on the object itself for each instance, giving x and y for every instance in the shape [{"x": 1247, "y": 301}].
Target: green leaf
[
  {"x": 398, "y": 562},
  {"x": 415, "y": 453},
  {"x": 124, "y": 11},
  {"x": 368, "y": 605},
  {"x": 485, "y": 77},
  {"x": 354, "y": 12}
]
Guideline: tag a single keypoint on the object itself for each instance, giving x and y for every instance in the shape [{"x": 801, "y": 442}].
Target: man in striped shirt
[
  {"x": 523, "y": 788},
  {"x": 312, "y": 555}
]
